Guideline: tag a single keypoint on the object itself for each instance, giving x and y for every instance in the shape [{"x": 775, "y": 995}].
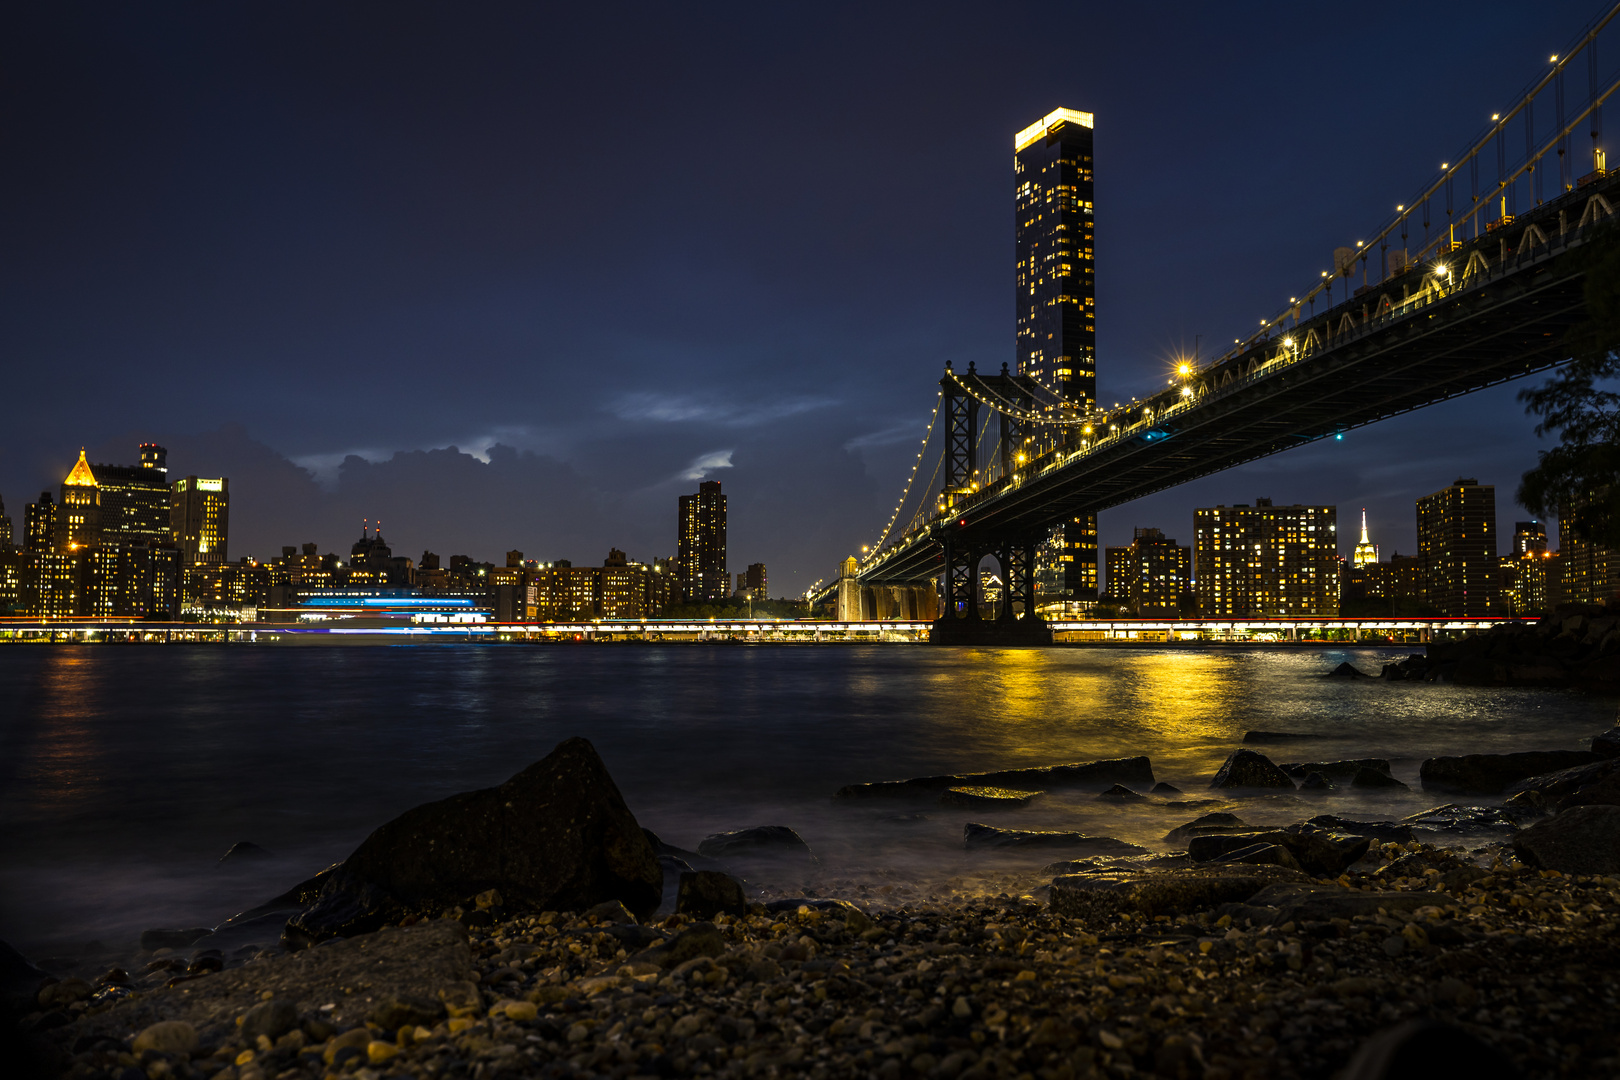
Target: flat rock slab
[
  {"x": 1169, "y": 892},
  {"x": 976, "y": 835},
  {"x": 1088, "y": 774},
  {"x": 1218, "y": 822},
  {"x": 988, "y": 798},
  {"x": 1489, "y": 774},
  {"x": 429, "y": 962}
]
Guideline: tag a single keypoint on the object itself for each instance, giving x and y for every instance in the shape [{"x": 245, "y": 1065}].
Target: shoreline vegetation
[{"x": 535, "y": 929}]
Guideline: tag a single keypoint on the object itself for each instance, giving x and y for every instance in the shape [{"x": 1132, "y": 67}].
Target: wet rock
[
  {"x": 976, "y": 835},
  {"x": 1427, "y": 1048},
  {"x": 1315, "y": 782},
  {"x": 761, "y": 841},
  {"x": 707, "y": 893},
  {"x": 608, "y": 911},
  {"x": 1347, "y": 670},
  {"x": 987, "y": 798},
  {"x": 1211, "y": 846},
  {"x": 1605, "y": 792},
  {"x": 1218, "y": 822},
  {"x": 556, "y": 836},
  {"x": 1346, "y": 768},
  {"x": 1170, "y": 892},
  {"x": 1162, "y": 788},
  {"x": 1558, "y": 788},
  {"x": 173, "y": 939},
  {"x": 1316, "y": 851},
  {"x": 244, "y": 851},
  {"x": 167, "y": 1037},
  {"x": 66, "y": 992},
  {"x": 1263, "y": 854},
  {"x": 1464, "y": 820},
  {"x": 1489, "y": 774},
  {"x": 1377, "y": 830},
  {"x": 1119, "y": 793},
  {"x": 1581, "y": 840},
  {"x": 272, "y": 1019},
  {"x": 1373, "y": 778},
  {"x": 1607, "y": 743},
  {"x": 1092, "y": 774},
  {"x": 1250, "y": 769}
]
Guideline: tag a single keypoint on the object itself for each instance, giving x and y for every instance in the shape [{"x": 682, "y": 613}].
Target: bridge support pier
[{"x": 1015, "y": 624}]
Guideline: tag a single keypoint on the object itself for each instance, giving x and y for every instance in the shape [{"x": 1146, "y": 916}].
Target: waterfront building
[
  {"x": 1151, "y": 576},
  {"x": 200, "y": 518},
  {"x": 134, "y": 579},
  {"x": 1456, "y": 529},
  {"x": 1365, "y": 552},
  {"x": 1265, "y": 560},
  {"x": 48, "y": 584},
  {"x": 226, "y": 591},
  {"x": 701, "y": 548},
  {"x": 621, "y": 592},
  {"x": 135, "y": 498},
  {"x": 662, "y": 584},
  {"x": 11, "y": 566},
  {"x": 1054, "y": 296}
]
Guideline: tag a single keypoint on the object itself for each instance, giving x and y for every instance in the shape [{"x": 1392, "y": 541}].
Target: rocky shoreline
[
  {"x": 1576, "y": 647},
  {"x": 1238, "y": 951}
]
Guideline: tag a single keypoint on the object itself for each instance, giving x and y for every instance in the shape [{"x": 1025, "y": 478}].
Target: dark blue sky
[{"x": 602, "y": 250}]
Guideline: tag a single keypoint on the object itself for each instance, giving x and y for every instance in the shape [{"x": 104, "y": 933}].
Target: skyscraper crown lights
[{"x": 1046, "y": 123}]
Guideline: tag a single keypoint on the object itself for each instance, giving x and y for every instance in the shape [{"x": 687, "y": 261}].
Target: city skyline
[{"x": 482, "y": 276}]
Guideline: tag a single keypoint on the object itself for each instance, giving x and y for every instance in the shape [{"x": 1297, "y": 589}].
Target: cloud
[
  {"x": 686, "y": 409},
  {"x": 704, "y": 464},
  {"x": 889, "y": 436}
]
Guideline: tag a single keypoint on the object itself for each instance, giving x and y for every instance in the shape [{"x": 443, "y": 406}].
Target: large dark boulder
[
  {"x": 1250, "y": 769},
  {"x": 1134, "y": 771},
  {"x": 1607, "y": 743},
  {"x": 556, "y": 836},
  {"x": 1581, "y": 840},
  {"x": 1488, "y": 774},
  {"x": 707, "y": 893},
  {"x": 1346, "y": 768},
  {"x": 1317, "y": 851},
  {"x": 1558, "y": 787}
]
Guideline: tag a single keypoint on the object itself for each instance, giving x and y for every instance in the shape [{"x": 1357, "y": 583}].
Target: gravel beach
[{"x": 1524, "y": 960}]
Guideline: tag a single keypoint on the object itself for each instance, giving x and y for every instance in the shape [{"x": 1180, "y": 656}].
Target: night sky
[{"x": 516, "y": 276}]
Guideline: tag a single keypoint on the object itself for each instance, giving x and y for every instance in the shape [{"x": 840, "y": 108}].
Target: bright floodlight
[{"x": 1185, "y": 369}]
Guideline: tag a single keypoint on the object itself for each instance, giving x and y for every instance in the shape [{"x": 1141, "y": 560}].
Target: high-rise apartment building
[
  {"x": 1151, "y": 575},
  {"x": 755, "y": 583},
  {"x": 1055, "y": 297},
  {"x": 701, "y": 547},
  {"x": 135, "y": 498},
  {"x": 39, "y": 524},
  {"x": 1457, "y": 542},
  {"x": 200, "y": 517},
  {"x": 1590, "y": 572},
  {"x": 1266, "y": 561}
]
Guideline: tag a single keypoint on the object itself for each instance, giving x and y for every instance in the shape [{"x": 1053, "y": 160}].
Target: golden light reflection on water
[
  {"x": 1185, "y": 696},
  {"x": 64, "y": 759}
]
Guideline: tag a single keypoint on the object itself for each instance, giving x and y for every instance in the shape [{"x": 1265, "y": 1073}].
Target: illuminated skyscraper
[
  {"x": 1152, "y": 575},
  {"x": 39, "y": 524},
  {"x": 701, "y": 549},
  {"x": 1366, "y": 552},
  {"x": 200, "y": 516},
  {"x": 1456, "y": 529},
  {"x": 1055, "y": 295},
  {"x": 135, "y": 499},
  {"x": 1264, "y": 560},
  {"x": 78, "y": 519}
]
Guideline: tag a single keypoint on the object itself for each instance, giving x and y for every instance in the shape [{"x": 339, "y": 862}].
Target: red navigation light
[{"x": 963, "y": 521}]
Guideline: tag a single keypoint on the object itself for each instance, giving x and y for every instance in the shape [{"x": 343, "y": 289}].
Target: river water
[{"x": 126, "y": 772}]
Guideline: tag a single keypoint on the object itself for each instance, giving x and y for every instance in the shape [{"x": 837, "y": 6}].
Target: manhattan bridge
[{"x": 1491, "y": 294}]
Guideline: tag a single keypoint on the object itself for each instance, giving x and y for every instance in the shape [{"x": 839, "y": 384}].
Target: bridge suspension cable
[{"x": 906, "y": 493}]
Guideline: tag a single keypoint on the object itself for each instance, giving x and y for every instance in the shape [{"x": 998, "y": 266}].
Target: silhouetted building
[
  {"x": 1457, "y": 542},
  {"x": 372, "y": 564},
  {"x": 7, "y": 540},
  {"x": 701, "y": 550},
  {"x": 1590, "y": 572},
  {"x": 39, "y": 524},
  {"x": 1152, "y": 576},
  {"x": 1266, "y": 561},
  {"x": 756, "y": 583},
  {"x": 1529, "y": 536},
  {"x": 200, "y": 518}
]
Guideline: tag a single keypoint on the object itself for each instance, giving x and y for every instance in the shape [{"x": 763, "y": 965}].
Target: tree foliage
[{"x": 1578, "y": 481}]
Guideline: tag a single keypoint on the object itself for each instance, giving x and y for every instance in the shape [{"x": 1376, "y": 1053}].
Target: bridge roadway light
[{"x": 1185, "y": 369}]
